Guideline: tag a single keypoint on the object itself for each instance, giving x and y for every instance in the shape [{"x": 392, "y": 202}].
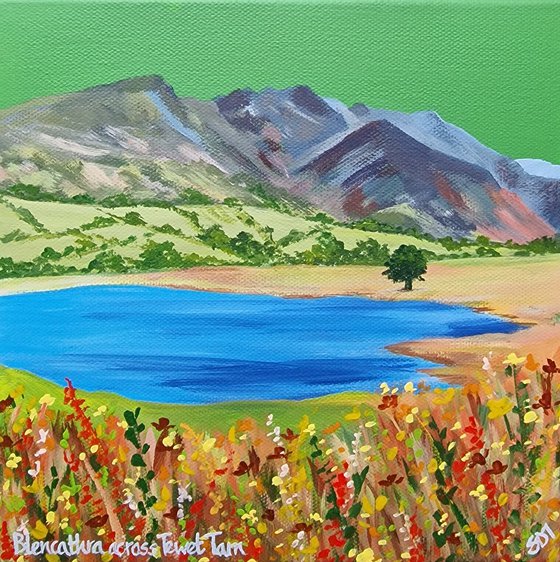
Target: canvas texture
[{"x": 278, "y": 281}]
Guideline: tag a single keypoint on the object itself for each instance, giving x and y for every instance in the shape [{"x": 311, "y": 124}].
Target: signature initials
[{"x": 537, "y": 541}]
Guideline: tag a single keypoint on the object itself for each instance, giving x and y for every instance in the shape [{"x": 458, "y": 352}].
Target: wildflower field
[{"x": 413, "y": 474}]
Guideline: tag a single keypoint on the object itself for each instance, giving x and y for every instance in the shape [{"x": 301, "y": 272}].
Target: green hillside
[{"x": 54, "y": 238}]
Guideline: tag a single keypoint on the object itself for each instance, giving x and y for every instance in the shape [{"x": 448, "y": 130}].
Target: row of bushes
[
  {"x": 164, "y": 255},
  {"x": 187, "y": 196}
]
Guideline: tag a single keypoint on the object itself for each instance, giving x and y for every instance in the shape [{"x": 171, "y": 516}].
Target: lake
[{"x": 194, "y": 347}]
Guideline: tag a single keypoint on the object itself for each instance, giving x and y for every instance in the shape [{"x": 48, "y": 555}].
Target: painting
[{"x": 279, "y": 281}]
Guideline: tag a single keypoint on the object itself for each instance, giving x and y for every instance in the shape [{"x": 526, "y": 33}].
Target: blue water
[{"x": 195, "y": 347}]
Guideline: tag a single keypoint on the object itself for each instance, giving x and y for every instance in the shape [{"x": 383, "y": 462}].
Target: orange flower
[{"x": 531, "y": 364}]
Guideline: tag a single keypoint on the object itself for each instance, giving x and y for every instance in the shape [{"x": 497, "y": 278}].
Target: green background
[{"x": 491, "y": 68}]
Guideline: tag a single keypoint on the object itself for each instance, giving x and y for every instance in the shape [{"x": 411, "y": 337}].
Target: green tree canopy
[
  {"x": 406, "y": 264},
  {"x": 160, "y": 256}
]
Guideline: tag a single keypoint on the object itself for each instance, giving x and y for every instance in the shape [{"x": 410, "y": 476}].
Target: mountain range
[{"x": 138, "y": 137}]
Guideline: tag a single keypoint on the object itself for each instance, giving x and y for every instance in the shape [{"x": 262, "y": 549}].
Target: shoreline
[{"x": 520, "y": 290}]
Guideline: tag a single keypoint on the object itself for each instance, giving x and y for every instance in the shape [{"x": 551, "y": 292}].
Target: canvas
[{"x": 279, "y": 281}]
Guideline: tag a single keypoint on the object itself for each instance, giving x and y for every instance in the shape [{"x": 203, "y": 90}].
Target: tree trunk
[{"x": 408, "y": 285}]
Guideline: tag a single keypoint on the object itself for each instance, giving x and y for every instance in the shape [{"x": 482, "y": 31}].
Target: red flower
[
  {"x": 458, "y": 469},
  {"x": 96, "y": 522},
  {"x": 289, "y": 435},
  {"x": 279, "y": 453},
  {"x": 478, "y": 458},
  {"x": 268, "y": 514},
  {"x": 497, "y": 468},
  {"x": 387, "y": 402},
  {"x": 161, "y": 424},
  {"x": 476, "y": 434},
  {"x": 499, "y": 530},
  {"x": 197, "y": 506},
  {"x": 335, "y": 541},
  {"x": 493, "y": 512},
  {"x": 551, "y": 368},
  {"x": 254, "y": 551},
  {"x": 391, "y": 479},
  {"x": 6, "y": 403},
  {"x": 8, "y": 552}
]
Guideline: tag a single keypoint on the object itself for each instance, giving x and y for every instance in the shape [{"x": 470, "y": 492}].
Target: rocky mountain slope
[{"x": 139, "y": 138}]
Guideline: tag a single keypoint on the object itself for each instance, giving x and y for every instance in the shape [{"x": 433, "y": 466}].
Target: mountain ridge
[{"x": 137, "y": 136}]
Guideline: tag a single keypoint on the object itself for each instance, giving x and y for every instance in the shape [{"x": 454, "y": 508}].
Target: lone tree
[{"x": 406, "y": 263}]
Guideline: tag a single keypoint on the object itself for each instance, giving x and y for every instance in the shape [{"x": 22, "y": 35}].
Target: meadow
[
  {"x": 410, "y": 473},
  {"x": 43, "y": 236},
  {"x": 73, "y": 235}
]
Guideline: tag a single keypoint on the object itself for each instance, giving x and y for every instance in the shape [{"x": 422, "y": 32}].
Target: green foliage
[
  {"x": 372, "y": 225},
  {"x": 451, "y": 244},
  {"x": 27, "y": 216},
  {"x": 133, "y": 218},
  {"x": 216, "y": 238},
  {"x": 14, "y": 236},
  {"x": 370, "y": 252},
  {"x": 36, "y": 268},
  {"x": 231, "y": 202},
  {"x": 82, "y": 199},
  {"x": 99, "y": 222},
  {"x": 252, "y": 251},
  {"x": 30, "y": 193},
  {"x": 120, "y": 200},
  {"x": 293, "y": 236},
  {"x": 191, "y": 196},
  {"x": 330, "y": 251},
  {"x": 37, "y": 193},
  {"x": 190, "y": 215},
  {"x": 484, "y": 251},
  {"x": 85, "y": 245},
  {"x": 160, "y": 256},
  {"x": 540, "y": 246},
  {"x": 406, "y": 264},
  {"x": 168, "y": 229},
  {"x": 323, "y": 218},
  {"x": 108, "y": 262},
  {"x": 267, "y": 200},
  {"x": 50, "y": 254},
  {"x": 7, "y": 268},
  {"x": 327, "y": 251}
]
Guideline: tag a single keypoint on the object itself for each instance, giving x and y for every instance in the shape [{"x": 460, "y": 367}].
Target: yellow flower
[
  {"x": 392, "y": 453},
  {"x": 409, "y": 387},
  {"x": 365, "y": 556},
  {"x": 482, "y": 539},
  {"x": 443, "y": 396},
  {"x": 46, "y": 399},
  {"x": 513, "y": 360},
  {"x": 380, "y": 502},
  {"x": 13, "y": 461},
  {"x": 499, "y": 407},
  {"x": 530, "y": 417},
  {"x": 354, "y": 415}
]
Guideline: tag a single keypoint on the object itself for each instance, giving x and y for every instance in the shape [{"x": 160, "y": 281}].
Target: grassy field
[
  {"x": 210, "y": 417},
  {"x": 465, "y": 474},
  {"x": 28, "y": 227}
]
